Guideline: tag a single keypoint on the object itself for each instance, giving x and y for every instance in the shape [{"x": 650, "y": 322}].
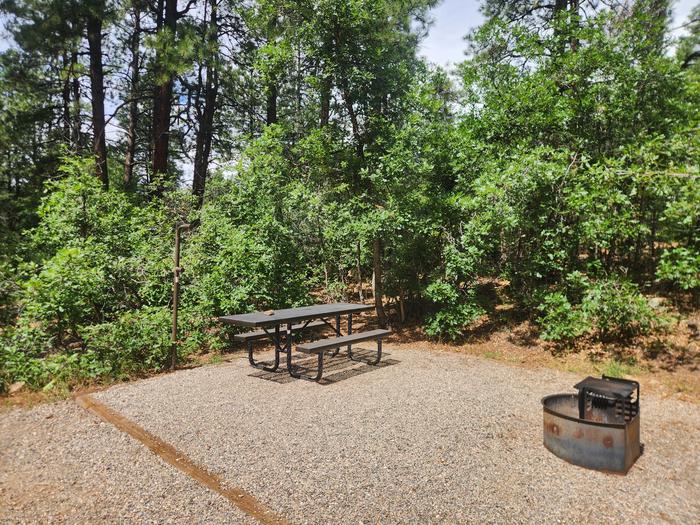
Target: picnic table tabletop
[{"x": 290, "y": 315}]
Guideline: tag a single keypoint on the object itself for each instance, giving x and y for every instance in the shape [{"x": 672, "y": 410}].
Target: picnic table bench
[{"x": 281, "y": 326}]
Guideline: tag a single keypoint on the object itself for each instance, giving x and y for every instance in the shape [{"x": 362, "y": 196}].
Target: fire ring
[{"x": 598, "y": 428}]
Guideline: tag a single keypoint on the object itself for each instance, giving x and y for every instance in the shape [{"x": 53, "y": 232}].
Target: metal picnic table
[{"x": 280, "y": 325}]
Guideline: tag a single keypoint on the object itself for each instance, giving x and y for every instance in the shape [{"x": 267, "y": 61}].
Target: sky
[{"x": 453, "y": 19}]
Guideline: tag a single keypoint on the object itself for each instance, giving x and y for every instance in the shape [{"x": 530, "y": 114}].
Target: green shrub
[
  {"x": 455, "y": 310},
  {"x": 137, "y": 341},
  {"x": 9, "y": 288},
  {"x": 680, "y": 266},
  {"x": 562, "y": 322},
  {"x": 235, "y": 267},
  {"x": 22, "y": 352},
  {"x": 16, "y": 365},
  {"x": 69, "y": 291},
  {"x": 617, "y": 309},
  {"x": 608, "y": 308}
]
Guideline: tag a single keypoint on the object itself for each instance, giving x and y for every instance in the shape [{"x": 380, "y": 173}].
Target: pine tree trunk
[
  {"x": 271, "y": 104},
  {"x": 359, "y": 274},
  {"x": 206, "y": 125},
  {"x": 65, "y": 97},
  {"x": 377, "y": 264},
  {"x": 162, "y": 100},
  {"x": 325, "y": 101},
  {"x": 99, "y": 145},
  {"x": 134, "y": 47},
  {"x": 76, "y": 123}
]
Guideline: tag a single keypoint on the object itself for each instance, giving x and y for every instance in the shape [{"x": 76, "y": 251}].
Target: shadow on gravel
[{"x": 335, "y": 369}]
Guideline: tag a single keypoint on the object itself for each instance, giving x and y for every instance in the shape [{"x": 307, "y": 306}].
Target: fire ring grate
[{"x": 598, "y": 428}]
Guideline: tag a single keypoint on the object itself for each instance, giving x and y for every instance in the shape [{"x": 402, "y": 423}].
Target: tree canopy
[{"x": 324, "y": 160}]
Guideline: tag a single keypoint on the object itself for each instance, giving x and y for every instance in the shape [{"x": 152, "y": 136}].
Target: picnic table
[{"x": 280, "y": 326}]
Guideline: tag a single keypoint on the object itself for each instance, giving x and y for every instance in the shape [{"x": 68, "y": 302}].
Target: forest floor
[
  {"x": 427, "y": 437},
  {"x": 667, "y": 364}
]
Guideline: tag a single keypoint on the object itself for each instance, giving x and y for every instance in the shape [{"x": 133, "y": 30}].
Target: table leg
[
  {"x": 349, "y": 333},
  {"x": 288, "y": 348},
  {"x": 337, "y": 333},
  {"x": 276, "y": 340},
  {"x": 290, "y": 369}
]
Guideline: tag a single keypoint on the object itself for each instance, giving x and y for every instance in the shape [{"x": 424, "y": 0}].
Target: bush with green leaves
[
  {"x": 560, "y": 320},
  {"x": 137, "y": 341},
  {"x": 9, "y": 289},
  {"x": 23, "y": 350},
  {"x": 453, "y": 310},
  {"x": 680, "y": 266},
  {"x": 616, "y": 309},
  {"x": 608, "y": 308},
  {"x": 70, "y": 290}
]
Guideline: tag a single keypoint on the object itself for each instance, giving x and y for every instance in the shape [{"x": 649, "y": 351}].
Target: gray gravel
[
  {"x": 61, "y": 464},
  {"x": 434, "y": 438}
]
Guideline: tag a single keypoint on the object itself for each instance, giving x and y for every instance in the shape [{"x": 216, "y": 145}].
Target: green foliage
[
  {"x": 681, "y": 266},
  {"x": 9, "y": 289},
  {"x": 561, "y": 321},
  {"x": 136, "y": 341},
  {"x": 617, "y": 368},
  {"x": 22, "y": 355},
  {"x": 455, "y": 310},
  {"x": 99, "y": 263},
  {"x": 617, "y": 309},
  {"x": 606, "y": 308},
  {"x": 67, "y": 292}
]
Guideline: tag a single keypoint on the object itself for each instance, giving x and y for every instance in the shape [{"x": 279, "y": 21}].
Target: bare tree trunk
[
  {"x": 99, "y": 145},
  {"x": 75, "y": 121},
  {"x": 271, "y": 103},
  {"x": 323, "y": 255},
  {"x": 325, "y": 101},
  {"x": 65, "y": 97},
  {"x": 573, "y": 16},
  {"x": 162, "y": 98},
  {"x": 341, "y": 275},
  {"x": 134, "y": 47},
  {"x": 206, "y": 125},
  {"x": 359, "y": 274},
  {"x": 359, "y": 144},
  {"x": 377, "y": 264}
]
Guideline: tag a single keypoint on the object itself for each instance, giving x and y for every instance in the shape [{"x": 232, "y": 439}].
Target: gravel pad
[
  {"x": 434, "y": 438},
  {"x": 61, "y": 464}
]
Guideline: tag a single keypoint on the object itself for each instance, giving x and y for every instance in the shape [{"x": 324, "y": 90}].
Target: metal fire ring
[{"x": 607, "y": 439}]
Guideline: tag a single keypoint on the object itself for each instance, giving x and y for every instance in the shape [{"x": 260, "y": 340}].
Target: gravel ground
[
  {"x": 433, "y": 438},
  {"x": 61, "y": 464}
]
